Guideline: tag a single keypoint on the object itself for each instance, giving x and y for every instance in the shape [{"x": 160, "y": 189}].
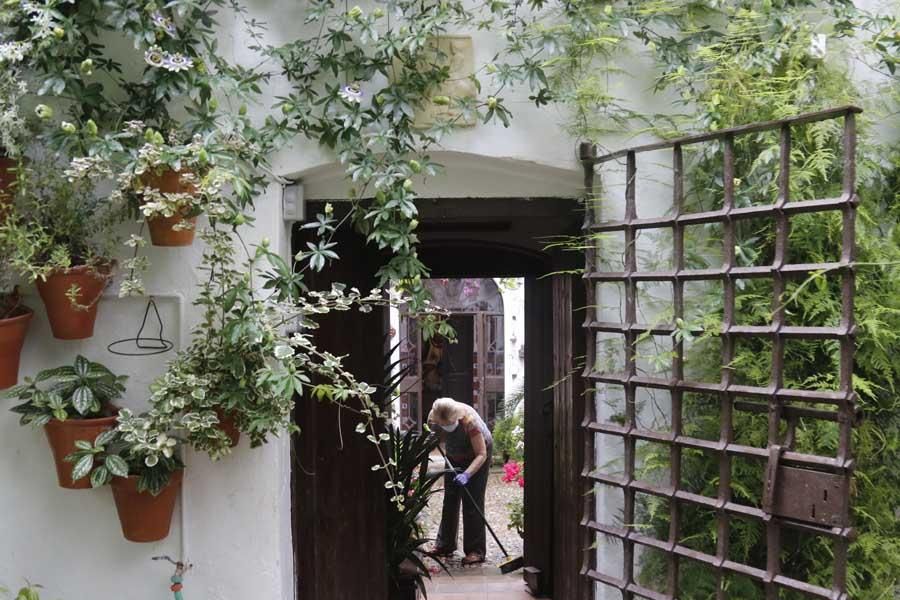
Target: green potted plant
[
  {"x": 140, "y": 460},
  {"x": 72, "y": 402},
  {"x": 62, "y": 236},
  {"x": 165, "y": 181},
  {"x": 14, "y": 320},
  {"x": 409, "y": 452}
]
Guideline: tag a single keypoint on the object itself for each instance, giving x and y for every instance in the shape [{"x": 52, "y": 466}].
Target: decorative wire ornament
[{"x": 144, "y": 346}]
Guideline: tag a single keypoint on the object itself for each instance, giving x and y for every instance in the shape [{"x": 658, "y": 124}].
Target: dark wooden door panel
[{"x": 339, "y": 503}]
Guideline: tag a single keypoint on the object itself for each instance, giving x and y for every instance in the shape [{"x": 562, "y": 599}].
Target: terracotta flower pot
[
  {"x": 12, "y": 338},
  {"x": 143, "y": 516},
  {"x": 68, "y": 321},
  {"x": 162, "y": 229},
  {"x": 62, "y": 436},
  {"x": 227, "y": 424}
]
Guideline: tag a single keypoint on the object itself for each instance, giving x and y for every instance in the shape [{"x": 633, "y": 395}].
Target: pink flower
[
  {"x": 521, "y": 482},
  {"x": 511, "y": 471}
]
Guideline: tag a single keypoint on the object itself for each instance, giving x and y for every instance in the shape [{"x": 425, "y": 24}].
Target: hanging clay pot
[
  {"x": 12, "y": 338},
  {"x": 162, "y": 229},
  {"x": 62, "y": 436},
  {"x": 227, "y": 424},
  {"x": 70, "y": 321},
  {"x": 7, "y": 178},
  {"x": 143, "y": 516}
]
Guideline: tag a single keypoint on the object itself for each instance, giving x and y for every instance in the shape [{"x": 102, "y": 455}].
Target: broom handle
[{"x": 475, "y": 504}]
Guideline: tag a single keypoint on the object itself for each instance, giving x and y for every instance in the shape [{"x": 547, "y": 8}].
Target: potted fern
[
  {"x": 71, "y": 402},
  {"x": 140, "y": 460}
]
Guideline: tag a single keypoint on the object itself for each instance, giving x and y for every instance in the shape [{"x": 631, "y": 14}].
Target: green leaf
[
  {"x": 82, "y": 399},
  {"x": 100, "y": 477},
  {"x": 117, "y": 465},
  {"x": 82, "y": 366},
  {"x": 83, "y": 445},
  {"x": 83, "y": 466},
  {"x": 105, "y": 437}
]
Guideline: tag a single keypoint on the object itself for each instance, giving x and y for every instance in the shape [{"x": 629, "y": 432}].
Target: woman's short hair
[{"x": 443, "y": 409}]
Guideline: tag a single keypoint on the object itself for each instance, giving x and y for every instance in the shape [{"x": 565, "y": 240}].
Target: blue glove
[{"x": 461, "y": 479}]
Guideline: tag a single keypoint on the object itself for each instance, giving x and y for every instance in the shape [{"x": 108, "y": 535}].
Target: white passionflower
[
  {"x": 351, "y": 93},
  {"x": 160, "y": 21},
  {"x": 155, "y": 57},
  {"x": 177, "y": 62}
]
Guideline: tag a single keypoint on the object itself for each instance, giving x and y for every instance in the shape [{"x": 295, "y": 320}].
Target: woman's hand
[{"x": 461, "y": 479}]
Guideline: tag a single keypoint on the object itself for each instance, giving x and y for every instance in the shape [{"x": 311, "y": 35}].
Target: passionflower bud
[
  {"x": 355, "y": 12},
  {"x": 43, "y": 111},
  {"x": 87, "y": 67},
  {"x": 492, "y": 102},
  {"x": 407, "y": 184},
  {"x": 329, "y": 209},
  {"x": 287, "y": 108},
  {"x": 90, "y": 128},
  {"x": 59, "y": 33},
  {"x": 213, "y": 104},
  {"x": 378, "y": 13},
  {"x": 67, "y": 128},
  {"x": 242, "y": 110},
  {"x": 441, "y": 100}
]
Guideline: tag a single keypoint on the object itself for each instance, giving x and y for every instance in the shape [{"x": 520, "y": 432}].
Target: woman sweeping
[{"x": 468, "y": 444}]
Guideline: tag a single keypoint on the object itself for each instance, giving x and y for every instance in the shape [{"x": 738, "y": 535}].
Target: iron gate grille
[{"x": 791, "y": 477}]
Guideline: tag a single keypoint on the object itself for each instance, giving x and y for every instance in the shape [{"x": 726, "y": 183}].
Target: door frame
[{"x": 504, "y": 237}]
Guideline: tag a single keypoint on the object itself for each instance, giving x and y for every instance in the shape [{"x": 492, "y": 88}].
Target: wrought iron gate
[{"x": 801, "y": 491}]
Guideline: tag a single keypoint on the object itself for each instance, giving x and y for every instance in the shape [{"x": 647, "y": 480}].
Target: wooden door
[{"x": 339, "y": 502}]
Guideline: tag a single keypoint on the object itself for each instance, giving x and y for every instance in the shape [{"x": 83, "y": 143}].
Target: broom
[{"x": 511, "y": 563}]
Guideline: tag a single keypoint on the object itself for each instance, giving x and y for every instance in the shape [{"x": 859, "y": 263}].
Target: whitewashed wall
[{"x": 236, "y": 521}]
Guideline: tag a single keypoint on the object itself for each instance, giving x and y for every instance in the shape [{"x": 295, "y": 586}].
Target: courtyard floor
[
  {"x": 478, "y": 583},
  {"x": 483, "y": 582}
]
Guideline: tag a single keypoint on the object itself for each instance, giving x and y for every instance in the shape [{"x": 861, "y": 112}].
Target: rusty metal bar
[
  {"x": 726, "y": 417},
  {"x": 677, "y": 396},
  {"x": 628, "y": 512},
  {"x": 589, "y": 502},
  {"x": 822, "y": 115}
]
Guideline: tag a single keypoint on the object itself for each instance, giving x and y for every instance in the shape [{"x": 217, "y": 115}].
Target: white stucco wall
[{"x": 236, "y": 526}]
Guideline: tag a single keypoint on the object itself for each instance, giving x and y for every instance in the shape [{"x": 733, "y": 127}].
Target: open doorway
[
  {"x": 483, "y": 367},
  {"x": 340, "y": 505}
]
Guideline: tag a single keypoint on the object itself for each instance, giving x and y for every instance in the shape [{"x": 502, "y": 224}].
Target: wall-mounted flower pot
[
  {"x": 143, "y": 516},
  {"x": 162, "y": 229},
  {"x": 70, "y": 321},
  {"x": 62, "y": 436},
  {"x": 12, "y": 338},
  {"x": 227, "y": 424}
]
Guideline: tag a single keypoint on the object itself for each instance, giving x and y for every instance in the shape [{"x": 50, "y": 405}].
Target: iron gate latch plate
[{"x": 803, "y": 494}]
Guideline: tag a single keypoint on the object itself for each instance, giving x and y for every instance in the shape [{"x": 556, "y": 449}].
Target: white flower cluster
[{"x": 13, "y": 52}]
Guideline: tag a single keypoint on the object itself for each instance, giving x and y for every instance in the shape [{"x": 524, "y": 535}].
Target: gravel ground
[{"x": 498, "y": 495}]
